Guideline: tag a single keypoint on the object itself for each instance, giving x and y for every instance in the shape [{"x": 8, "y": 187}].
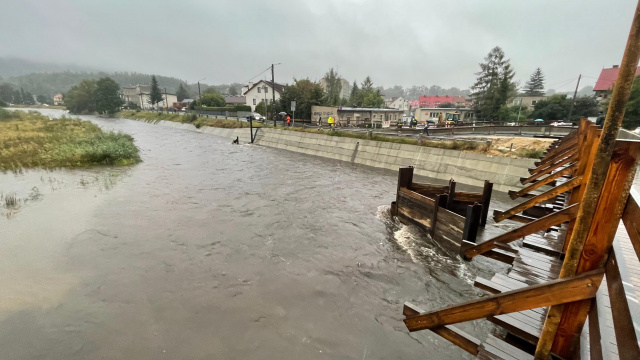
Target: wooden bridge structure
[{"x": 520, "y": 300}]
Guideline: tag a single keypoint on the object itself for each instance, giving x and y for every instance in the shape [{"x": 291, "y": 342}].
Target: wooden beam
[
  {"x": 624, "y": 306},
  {"x": 487, "y": 190},
  {"x": 631, "y": 220},
  {"x": 554, "y": 292},
  {"x": 472, "y": 222},
  {"x": 538, "y": 184},
  {"x": 540, "y": 224},
  {"x": 519, "y": 218},
  {"x": 539, "y": 199},
  {"x": 590, "y": 243},
  {"x": 550, "y": 160},
  {"x": 458, "y": 337},
  {"x": 550, "y": 169},
  {"x": 572, "y": 152}
]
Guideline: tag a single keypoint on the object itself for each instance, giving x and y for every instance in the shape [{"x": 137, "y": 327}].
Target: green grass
[
  {"x": 197, "y": 121},
  {"x": 32, "y": 140}
]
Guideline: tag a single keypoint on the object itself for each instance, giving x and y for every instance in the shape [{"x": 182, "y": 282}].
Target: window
[
  {"x": 533, "y": 102},
  {"x": 254, "y": 101},
  {"x": 259, "y": 90},
  {"x": 266, "y": 90}
]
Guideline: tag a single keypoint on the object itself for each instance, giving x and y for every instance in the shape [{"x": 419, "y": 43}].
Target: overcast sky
[{"x": 401, "y": 42}]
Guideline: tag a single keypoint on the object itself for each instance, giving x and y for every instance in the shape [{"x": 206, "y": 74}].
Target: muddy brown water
[{"x": 210, "y": 250}]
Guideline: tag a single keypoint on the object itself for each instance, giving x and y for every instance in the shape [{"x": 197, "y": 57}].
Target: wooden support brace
[
  {"x": 538, "y": 184},
  {"x": 540, "y": 224},
  {"x": 458, "y": 337},
  {"x": 554, "y": 292},
  {"x": 551, "y": 169},
  {"x": 540, "y": 198}
]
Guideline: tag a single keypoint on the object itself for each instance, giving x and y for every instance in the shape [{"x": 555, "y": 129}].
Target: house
[
  {"x": 261, "y": 91},
  {"x": 607, "y": 79},
  {"x": 397, "y": 103},
  {"x": 527, "y": 102},
  {"x": 140, "y": 95},
  {"x": 235, "y": 100},
  {"x": 58, "y": 99},
  {"x": 435, "y": 101},
  {"x": 354, "y": 116},
  {"x": 414, "y": 104},
  {"x": 345, "y": 90},
  {"x": 182, "y": 104},
  {"x": 433, "y": 114}
]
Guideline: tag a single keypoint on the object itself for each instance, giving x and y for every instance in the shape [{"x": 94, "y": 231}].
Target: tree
[
  {"x": 233, "y": 91},
  {"x": 27, "y": 97},
  {"x": 81, "y": 97},
  {"x": 212, "y": 99},
  {"x": 535, "y": 85},
  {"x": 17, "y": 97},
  {"x": 585, "y": 106},
  {"x": 555, "y": 107},
  {"x": 182, "y": 92},
  {"x": 494, "y": 84},
  {"x": 43, "y": 99},
  {"x": 306, "y": 93},
  {"x": 155, "y": 96},
  {"x": 262, "y": 110},
  {"x": 447, "y": 105},
  {"x": 107, "y": 96},
  {"x": 632, "y": 111},
  {"x": 333, "y": 86},
  {"x": 373, "y": 100},
  {"x": 367, "y": 86},
  {"x": 355, "y": 98},
  {"x": 210, "y": 91},
  {"x": 6, "y": 92}
]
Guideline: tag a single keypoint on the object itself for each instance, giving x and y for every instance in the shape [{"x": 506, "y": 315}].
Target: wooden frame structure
[
  {"x": 520, "y": 298},
  {"x": 449, "y": 216}
]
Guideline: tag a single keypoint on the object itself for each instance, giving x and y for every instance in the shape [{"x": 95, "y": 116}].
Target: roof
[
  {"x": 430, "y": 101},
  {"x": 187, "y": 100},
  {"x": 608, "y": 77},
  {"x": 235, "y": 99},
  {"x": 275, "y": 86}
]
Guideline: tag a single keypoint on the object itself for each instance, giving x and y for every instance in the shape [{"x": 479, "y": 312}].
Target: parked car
[
  {"x": 637, "y": 130},
  {"x": 256, "y": 116},
  {"x": 511, "y": 124},
  {"x": 560, "y": 123}
]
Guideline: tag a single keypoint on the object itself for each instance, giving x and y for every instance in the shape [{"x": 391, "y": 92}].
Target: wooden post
[
  {"x": 486, "y": 200},
  {"x": 452, "y": 191},
  {"x": 472, "y": 222},
  {"x": 405, "y": 178}
]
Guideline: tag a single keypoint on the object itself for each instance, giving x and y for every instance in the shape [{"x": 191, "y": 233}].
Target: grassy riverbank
[
  {"x": 526, "y": 148},
  {"x": 32, "y": 140},
  {"x": 197, "y": 121}
]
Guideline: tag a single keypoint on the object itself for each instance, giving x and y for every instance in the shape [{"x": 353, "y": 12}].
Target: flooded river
[{"x": 209, "y": 250}]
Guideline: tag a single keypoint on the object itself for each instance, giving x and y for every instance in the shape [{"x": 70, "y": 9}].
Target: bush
[
  {"x": 225, "y": 108},
  {"x": 190, "y": 118}
]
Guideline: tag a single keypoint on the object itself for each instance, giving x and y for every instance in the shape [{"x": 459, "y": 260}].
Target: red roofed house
[
  {"x": 435, "y": 101},
  {"x": 607, "y": 79}
]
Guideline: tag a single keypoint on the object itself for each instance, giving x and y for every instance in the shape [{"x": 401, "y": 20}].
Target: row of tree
[
  {"x": 11, "y": 95},
  {"x": 90, "y": 96}
]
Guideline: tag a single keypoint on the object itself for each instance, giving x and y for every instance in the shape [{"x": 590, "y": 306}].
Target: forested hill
[{"x": 49, "y": 84}]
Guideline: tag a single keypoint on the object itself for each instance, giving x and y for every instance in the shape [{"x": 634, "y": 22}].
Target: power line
[{"x": 262, "y": 72}]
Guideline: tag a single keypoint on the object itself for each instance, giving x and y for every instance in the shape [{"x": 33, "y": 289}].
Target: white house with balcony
[{"x": 261, "y": 91}]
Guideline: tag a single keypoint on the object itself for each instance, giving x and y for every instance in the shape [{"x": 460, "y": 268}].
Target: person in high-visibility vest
[{"x": 331, "y": 121}]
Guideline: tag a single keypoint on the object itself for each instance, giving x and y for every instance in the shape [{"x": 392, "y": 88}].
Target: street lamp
[{"x": 266, "y": 108}]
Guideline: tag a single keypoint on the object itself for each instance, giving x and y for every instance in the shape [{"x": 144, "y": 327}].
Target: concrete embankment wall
[{"x": 464, "y": 167}]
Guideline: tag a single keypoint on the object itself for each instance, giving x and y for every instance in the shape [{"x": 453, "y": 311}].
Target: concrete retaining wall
[{"x": 464, "y": 167}]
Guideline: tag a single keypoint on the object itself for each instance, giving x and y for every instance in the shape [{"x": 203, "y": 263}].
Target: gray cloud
[{"x": 402, "y": 42}]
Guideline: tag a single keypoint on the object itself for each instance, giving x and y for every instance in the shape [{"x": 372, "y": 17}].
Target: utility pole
[
  {"x": 573, "y": 101},
  {"x": 166, "y": 100},
  {"x": 199, "y": 90},
  {"x": 520, "y": 108},
  {"x": 273, "y": 93}
]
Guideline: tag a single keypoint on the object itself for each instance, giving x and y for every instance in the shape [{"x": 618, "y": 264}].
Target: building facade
[
  {"x": 434, "y": 114},
  {"x": 437, "y": 100},
  {"x": 607, "y": 80},
  {"x": 140, "y": 95},
  {"x": 261, "y": 91},
  {"x": 528, "y": 102},
  {"x": 398, "y": 103},
  {"x": 349, "y": 116},
  {"x": 58, "y": 99}
]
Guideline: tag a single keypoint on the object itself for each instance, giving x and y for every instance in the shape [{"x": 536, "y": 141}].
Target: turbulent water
[{"x": 210, "y": 250}]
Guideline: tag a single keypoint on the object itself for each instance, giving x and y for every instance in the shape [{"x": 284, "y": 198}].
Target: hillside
[{"x": 10, "y": 66}]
